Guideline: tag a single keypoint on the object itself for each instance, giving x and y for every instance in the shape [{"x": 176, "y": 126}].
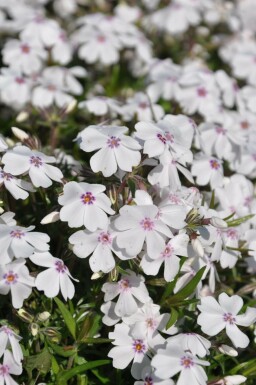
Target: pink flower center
[
  {"x": 113, "y": 142},
  {"x": 215, "y": 165},
  {"x": 4, "y": 370},
  {"x": 201, "y": 92},
  {"x": 101, "y": 39},
  {"x": 51, "y": 87},
  {"x": 60, "y": 267},
  {"x": 36, "y": 161},
  {"x": 220, "y": 130},
  {"x": 25, "y": 48},
  {"x": 244, "y": 125},
  {"x": 10, "y": 278},
  {"x": 187, "y": 362},
  {"x": 148, "y": 381},
  {"x": 7, "y": 331},
  {"x": 124, "y": 284},
  {"x": 147, "y": 224},
  {"x": 105, "y": 238},
  {"x": 143, "y": 105},
  {"x": 162, "y": 138},
  {"x": 229, "y": 318},
  {"x": 18, "y": 234},
  {"x": 174, "y": 199},
  {"x": 248, "y": 201},
  {"x": 88, "y": 198},
  {"x": 232, "y": 233},
  {"x": 151, "y": 323},
  {"x": 6, "y": 176},
  {"x": 19, "y": 80},
  {"x": 139, "y": 346},
  {"x": 167, "y": 252}
]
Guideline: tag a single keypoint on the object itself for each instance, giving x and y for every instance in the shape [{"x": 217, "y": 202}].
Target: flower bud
[
  {"x": 34, "y": 328},
  {"x": 71, "y": 106},
  {"x": 20, "y": 134},
  {"x": 234, "y": 380},
  {"x": 25, "y": 316},
  {"x": 1, "y": 210},
  {"x": 22, "y": 116},
  {"x": 44, "y": 316},
  {"x": 218, "y": 222},
  {"x": 96, "y": 275},
  {"x": 52, "y": 333},
  {"x": 228, "y": 350},
  {"x": 51, "y": 218}
]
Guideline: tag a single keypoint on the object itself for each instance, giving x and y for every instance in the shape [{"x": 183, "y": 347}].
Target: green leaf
[
  {"x": 69, "y": 320},
  {"x": 212, "y": 202},
  {"x": 171, "y": 285},
  {"x": 41, "y": 362},
  {"x": 173, "y": 318},
  {"x": 65, "y": 375},
  {"x": 188, "y": 289},
  {"x": 237, "y": 222},
  {"x": 90, "y": 326},
  {"x": 63, "y": 351},
  {"x": 95, "y": 340},
  {"x": 132, "y": 186}
]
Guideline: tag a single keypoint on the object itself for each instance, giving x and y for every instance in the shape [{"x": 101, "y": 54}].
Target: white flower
[
  {"x": 174, "y": 359},
  {"x": 85, "y": 204},
  {"x": 15, "y": 89},
  {"x": 192, "y": 342},
  {"x": 149, "y": 378},
  {"x": 54, "y": 279},
  {"x": 3, "y": 144},
  {"x": 8, "y": 337},
  {"x": 21, "y": 159},
  {"x": 141, "y": 106},
  {"x": 115, "y": 149},
  {"x": 15, "y": 277},
  {"x": 16, "y": 187},
  {"x": 99, "y": 244},
  {"x": 208, "y": 170},
  {"x": 130, "y": 289},
  {"x": 23, "y": 56},
  {"x": 139, "y": 224},
  {"x": 20, "y": 242},
  {"x": 8, "y": 367},
  {"x": 127, "y": 349},
  {"x": 216, "y": 316},
  {"x": 40, "y": 30},
  {"x": 175, "y": 246}
]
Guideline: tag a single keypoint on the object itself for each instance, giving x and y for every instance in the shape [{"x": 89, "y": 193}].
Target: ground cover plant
[{"x": 127, "y": 192}]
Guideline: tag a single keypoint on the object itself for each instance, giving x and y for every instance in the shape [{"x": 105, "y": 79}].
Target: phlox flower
[
  {"x": 14, "y": 277},
  {"x": 127, "y": 349},
  {"x": 18, "y": 188},
  {"x": 141, "y": 106},
  {"x": 216, "y": 316},
  {"x": 21, "y": 159},
  {"x": 7, "y": 218},
  {"x": 149, "y": 378},
  {"x": 139, "y": 224},
  {"x": 20, "y": 242},
  {"x": 40, "y": 30},
  {"x": 175, "y": 359},
  {"x": 98, "y": 243},
  {"x": 130, "y": 289},
  {"x": 208, "y": 170},
  {"x": 115, "y": 149},
  {"x": 23, "y": 56},
  {"x": 54, "y": 279},
  {"x": 175, "y": 246},
  {"x": 192, "y": 342},
  {"x": 3, "y": 144},
  {"x": 15, "y": 88},
  {"x": 9, "y": 366},
  {"x": 85, "y": 204},
  {"x": 9, "y": 338}
]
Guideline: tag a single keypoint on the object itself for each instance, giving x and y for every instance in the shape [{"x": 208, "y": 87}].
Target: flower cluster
[{"x": 133, "y": 170}]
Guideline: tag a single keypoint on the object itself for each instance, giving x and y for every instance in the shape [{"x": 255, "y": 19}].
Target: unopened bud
[
  {"x": 72, "y": 105},
  {"x": 97, "y": 275},
  {"x": 22, "y": 116},
  {"x": 34, "y": 328},
  {"x": 228, "y": 350},
  {"x": 25, "y": 316},
  {"x": 218, "y": 222},
  {"x": 52, "y": 333},
  {"x": 51, "y": 218},
  {"x": 44, "y": 316},
  {"x": 20, "y": 134},
  {"x": 1, "y": 210},
  {"x": 234, "y": 380},
  {"x": 197, "y": 247}
]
